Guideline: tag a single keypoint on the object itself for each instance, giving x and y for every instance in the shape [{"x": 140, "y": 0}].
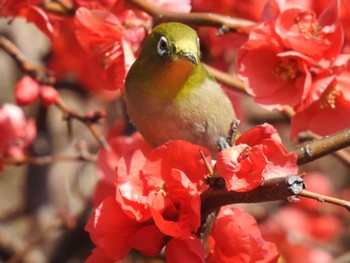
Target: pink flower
[
  {"x": 28, "y": 90},
  {"x": 17, "y": 133}
]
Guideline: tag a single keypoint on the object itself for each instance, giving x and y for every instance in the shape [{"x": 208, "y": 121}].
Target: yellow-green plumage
[{"x": 170, "y": 95}]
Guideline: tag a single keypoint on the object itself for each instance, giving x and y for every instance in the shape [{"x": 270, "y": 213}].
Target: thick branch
[
  {"x": 224, "y": 23},
  {"x": 315, "y": 149},
  {"x": 271, "y": 190}
]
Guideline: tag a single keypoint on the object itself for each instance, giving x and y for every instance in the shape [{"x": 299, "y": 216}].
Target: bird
[{"x": 170, "y": 95}]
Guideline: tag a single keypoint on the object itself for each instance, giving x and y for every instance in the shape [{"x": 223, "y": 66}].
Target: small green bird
[{"x": 170, "y": 95}]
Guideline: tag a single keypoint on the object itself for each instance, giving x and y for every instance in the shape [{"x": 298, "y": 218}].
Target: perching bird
[{"x": 170, "y": 95}]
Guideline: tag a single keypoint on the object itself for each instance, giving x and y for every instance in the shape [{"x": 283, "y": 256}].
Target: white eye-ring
[{"x": 162, "y": 45}]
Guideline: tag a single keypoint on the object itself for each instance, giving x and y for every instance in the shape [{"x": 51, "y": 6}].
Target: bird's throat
[{"x": 174, "y": 78}]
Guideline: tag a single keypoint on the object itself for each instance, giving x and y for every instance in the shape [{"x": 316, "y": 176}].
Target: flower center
[
  {"x": 244, "y": 154},
  {"x": 108, "y": 53},
  {"x": 329, "y": 98},
  {"x": 160, "y": 189},
  {"x": 308, "y": 25},
  {"x": 286, "y": 70}
]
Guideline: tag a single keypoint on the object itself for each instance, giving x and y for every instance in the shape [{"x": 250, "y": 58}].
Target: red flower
[
  {"x": 274, "y": 77},
  {"x": 99, "y": 32},
  {"x": 280, "y": 161},
  {"x": 188, "y": 250},
  {"x": 175, "y": 204},
  {"x": 290, "y": 228},
  {"x": 242, "y": 167},
  {"x": 169, "y": 156},
  {"x": 237, "y": 238},
  {"x": 114, "y": 232},
  {"x": 321, "y": 38},
  {"x": 258, "y": 155},
  {"x": 154, "y": 197},
  {"x": 107, "y": 162},
  {"x": 97, "y": 256},
  {"x": 30, "y": 11},
  {"x": 329, "y": 113},
  {"x": 27, "y": 90},
  {"x": 165, "y": 186},
  {"x": 131, "y": 188}
]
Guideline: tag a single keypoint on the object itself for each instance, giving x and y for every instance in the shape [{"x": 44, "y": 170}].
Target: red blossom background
[{"x": 67, "y": 197}]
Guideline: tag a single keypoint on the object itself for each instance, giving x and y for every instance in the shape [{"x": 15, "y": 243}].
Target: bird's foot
[
  {"x": 222, "y": 143},
  {"x": 232, "y": 134}
]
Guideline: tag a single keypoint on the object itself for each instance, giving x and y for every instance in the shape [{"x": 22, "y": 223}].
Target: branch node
[{"x": 295, "y": 184}]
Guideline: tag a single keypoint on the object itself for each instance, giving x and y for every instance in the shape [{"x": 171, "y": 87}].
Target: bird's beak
[{"x": 189, "y": 55}]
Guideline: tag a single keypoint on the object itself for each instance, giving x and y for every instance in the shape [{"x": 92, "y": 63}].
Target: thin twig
[
  {"x": 36, "y": 240},
  {"x": 45, "y": 159},
  {"x": 60, "y": 7},
  {"x": 222, "y": 22},
  {"x": 226, "y": 79},
  {"x": 44, "y": 76},
  {"x": 206, "y": 162},
  {"x": 64, "y": 219},
  {"x": 39, "y": 73},
  {"x": 88, "y": 120},
  {"x": 326, "y": 199}
]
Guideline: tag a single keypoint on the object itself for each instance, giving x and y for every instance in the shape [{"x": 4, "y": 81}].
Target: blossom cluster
[
  {"x": 154, "y": 194},
  {"x": 294, "y": 58}
]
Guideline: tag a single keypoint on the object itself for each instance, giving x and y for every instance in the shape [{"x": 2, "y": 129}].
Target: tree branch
[
  {"x": 280, "y": 188},
  {"x": 318, "y": 148},
  {"x": 226, "y": 79},
  {"x": 89, "y": 120},
  {"x": 326, "y": 199},
  {"x": 224, "y": 23},
  {"x": 39, "y": 73},
  {"x": 45, "y": 76}
]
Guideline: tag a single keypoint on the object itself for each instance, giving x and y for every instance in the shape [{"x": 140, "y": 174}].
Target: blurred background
[{"x": 44, "y": 208}]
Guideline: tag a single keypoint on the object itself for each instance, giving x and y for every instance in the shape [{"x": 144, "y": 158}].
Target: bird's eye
[{"x": 162, "y": 45}]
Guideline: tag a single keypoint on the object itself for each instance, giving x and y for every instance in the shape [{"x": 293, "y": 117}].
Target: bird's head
[{"x": 171, "y": 42}]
